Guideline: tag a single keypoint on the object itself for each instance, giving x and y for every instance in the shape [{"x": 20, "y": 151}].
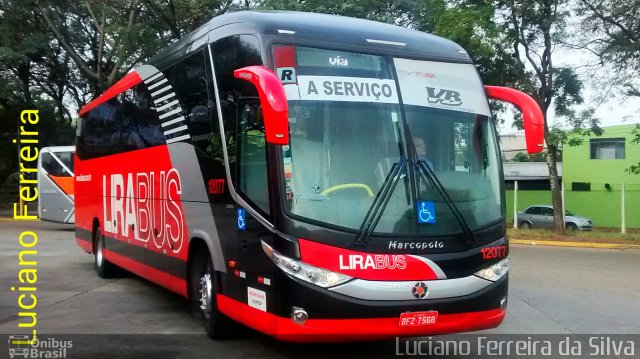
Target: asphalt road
[{"x": 552, "y": 291}]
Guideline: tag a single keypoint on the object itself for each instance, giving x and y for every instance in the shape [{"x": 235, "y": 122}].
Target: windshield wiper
[
  {"x": 431, "y": 177},
  {"x": 380, "y": 202}
]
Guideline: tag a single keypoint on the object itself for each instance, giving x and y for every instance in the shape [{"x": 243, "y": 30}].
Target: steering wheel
[{"x": 348, "y": 185}]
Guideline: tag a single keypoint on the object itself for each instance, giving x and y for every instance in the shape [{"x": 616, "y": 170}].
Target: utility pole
[
  {"x": 515, "y": 204},
  {"x": 623, "y": 226}
]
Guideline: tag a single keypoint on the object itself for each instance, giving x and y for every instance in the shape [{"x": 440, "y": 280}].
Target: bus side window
[
  {"x": 51, "y": 166},
  {"x": 100, "y": 128},
  {"x": 252, "y": 155},
  {"x": 188, "y": 78},
  {"x": 238, "y": 102},
  {"x": 148, "y": 127}
]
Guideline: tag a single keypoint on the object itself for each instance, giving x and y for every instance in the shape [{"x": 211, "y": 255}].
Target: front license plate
[{"x": 417, "y": 319}]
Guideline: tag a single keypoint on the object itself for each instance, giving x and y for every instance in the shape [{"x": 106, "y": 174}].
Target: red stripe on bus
[
  {"x": 174, "y": 284},
  {"x": 332, "y": 330},
  {"x": 85, "y": 245},
  {"x": 371, "y": 266},
  {"x": 128, "y": 81}
]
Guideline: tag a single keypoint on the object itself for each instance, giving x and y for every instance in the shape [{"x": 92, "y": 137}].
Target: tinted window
[
  {"x": 581, "y": 186},
  {"x": 242, "y": 119},
  {"x": 140, "y": 127},
  {"x": 230, "y": 54},
  {"x": 99, "y": 131},
  {"x": 53, "y": 167},
  {"x": 252, "y": 155},
  {"x": 533, "y": 210},
  {"x": 125, "y": 123},
  {"x": 66, "y": 158},
  {"x": 189, "y": 80}
]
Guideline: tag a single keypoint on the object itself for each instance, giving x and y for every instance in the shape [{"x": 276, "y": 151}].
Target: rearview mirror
[
  {"x": 273, "y": 100},
  {"x": 532, "y": 117}
]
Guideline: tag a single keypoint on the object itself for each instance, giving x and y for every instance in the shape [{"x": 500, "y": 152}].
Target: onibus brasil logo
[{"x": 22, "y": 346}]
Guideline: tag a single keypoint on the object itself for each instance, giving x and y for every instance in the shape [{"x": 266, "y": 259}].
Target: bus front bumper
[{"x": 335, "y": 317}]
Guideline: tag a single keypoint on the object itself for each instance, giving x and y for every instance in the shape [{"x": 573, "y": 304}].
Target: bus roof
[
  {"x": 321, "y": 30},
  {"x": 304, "y": 29}
]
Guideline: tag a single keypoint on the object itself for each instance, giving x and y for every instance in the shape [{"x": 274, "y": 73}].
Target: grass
[{"x": 597, "y": 235}]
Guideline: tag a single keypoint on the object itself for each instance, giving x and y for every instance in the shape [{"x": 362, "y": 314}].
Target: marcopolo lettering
[{"x": 416, "y": 245}]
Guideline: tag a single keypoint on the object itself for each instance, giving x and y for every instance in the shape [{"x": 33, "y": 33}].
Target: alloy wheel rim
[
  {"x": 205, "y": 294},
  {"x": 99, "y": 253}
]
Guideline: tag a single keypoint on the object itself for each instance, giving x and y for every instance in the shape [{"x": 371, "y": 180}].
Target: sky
[{"x": 612, "y": 108}]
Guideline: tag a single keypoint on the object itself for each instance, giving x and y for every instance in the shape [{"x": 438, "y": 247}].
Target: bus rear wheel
[
  {"x": 204, "y": 290},
  {"x": 104, "y": 268}
]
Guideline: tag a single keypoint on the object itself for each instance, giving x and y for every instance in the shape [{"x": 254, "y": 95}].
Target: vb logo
[{"x": 443, "y": 96}]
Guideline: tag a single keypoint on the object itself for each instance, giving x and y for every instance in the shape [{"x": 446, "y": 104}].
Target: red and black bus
[{"x": 313, "y": 177}]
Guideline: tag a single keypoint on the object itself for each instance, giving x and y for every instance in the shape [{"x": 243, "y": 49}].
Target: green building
[{"x": 593, "y": 174}]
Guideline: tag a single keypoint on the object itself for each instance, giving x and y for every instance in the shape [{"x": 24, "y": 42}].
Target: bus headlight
[
  {"x": 295, "y": 268},
  {"x": 494, "y": 272}
]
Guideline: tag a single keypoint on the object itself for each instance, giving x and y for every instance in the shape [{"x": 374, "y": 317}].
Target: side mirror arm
[
  {"x": 532, "y": 117},
  {"x": 273, "y": 101}
]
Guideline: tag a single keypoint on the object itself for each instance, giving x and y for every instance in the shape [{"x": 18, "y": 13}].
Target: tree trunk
[{"x": 556, "y": 189}]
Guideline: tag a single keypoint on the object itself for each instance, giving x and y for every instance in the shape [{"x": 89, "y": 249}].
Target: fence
[{"x": 602, "y": 203}]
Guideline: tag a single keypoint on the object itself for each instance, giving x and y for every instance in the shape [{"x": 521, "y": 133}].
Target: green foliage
[
  {"x": 614, "y": 35},
  {"x": 468, "y": 23},
  {"x": 635, "y": 169},
  {"x": 402, "y": 12},
  {"x": 524, "y": 157}
]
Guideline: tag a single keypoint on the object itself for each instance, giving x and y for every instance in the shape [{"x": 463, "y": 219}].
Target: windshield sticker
[
  {"x": 338, "y": 88},
  {"x": 448, "y": 86},
  {"x": 426, "y": 212},
  {"x": 287, "y": 75}
]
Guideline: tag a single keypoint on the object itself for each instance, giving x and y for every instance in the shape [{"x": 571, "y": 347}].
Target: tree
[
  {"x": 524, "y": 157},
  {"x": 106, "y": 38},
  {"x": 534, "y": 28},
  {"x": 468, "y": 23},
  {"x": 635, "y": 168},
  {"x": 614, "y": 28}
]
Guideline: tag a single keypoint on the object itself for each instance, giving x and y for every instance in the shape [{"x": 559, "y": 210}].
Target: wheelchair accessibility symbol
[
  {"x": 242, "y": 225},
  {"x": 426, "y": 212}
]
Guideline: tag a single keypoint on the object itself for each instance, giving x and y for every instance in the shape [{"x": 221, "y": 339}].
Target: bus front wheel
[{"x": 204, "y": 291}]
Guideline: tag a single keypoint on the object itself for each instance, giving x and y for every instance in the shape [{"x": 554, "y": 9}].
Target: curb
[{"x": 574, "y": 244}]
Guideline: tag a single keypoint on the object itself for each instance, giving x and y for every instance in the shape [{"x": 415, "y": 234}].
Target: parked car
[{"x": 541, "y": 216}]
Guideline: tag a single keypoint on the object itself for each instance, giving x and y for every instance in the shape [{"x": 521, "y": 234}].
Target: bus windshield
[{"x": 353, "y": 116}]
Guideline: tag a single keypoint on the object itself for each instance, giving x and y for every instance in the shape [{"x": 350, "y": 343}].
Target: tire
[
  {"x": 203, "y": 296},
  {"x": 104, "y": 268},
  {"x": 525, "y": 225},
  {"x": 572, "y": 227}
]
